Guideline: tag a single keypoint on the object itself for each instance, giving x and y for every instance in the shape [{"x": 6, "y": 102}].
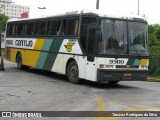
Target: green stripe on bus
[
  {"x": 56, "y": 44},
  {"x": 130, "y": 62},
  {"x": 47, "y": 44},
  {"x": 51, "y": 57},
  {"x": 137, "y": 62},
  {"x": 41, "y": 60}
]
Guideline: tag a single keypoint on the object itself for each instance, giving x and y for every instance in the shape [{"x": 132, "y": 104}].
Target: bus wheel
[
  {"x": 113, "y": 82},
  {"x": 19, "y": 61},
  {"x": 73, "y": 72}
]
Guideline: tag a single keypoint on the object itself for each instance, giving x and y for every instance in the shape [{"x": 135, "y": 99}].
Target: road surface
[{"x": 36, "y": 90}]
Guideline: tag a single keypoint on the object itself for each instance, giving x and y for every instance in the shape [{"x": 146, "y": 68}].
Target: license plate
[{"x": 127, "y": 74}]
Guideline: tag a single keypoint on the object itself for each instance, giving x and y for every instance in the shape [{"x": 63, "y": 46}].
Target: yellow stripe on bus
[
  {"x": 13, "y": 53},
  {"x": 144, "y": 62},
  {"x": 39, "y": 44},
  {"x": 31, "y": 57}
]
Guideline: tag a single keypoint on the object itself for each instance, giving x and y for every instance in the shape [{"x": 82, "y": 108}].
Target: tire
[
  {"x": 73, "y": 72},
  {"x": 113, "y": 82},
  {"x": 19, "y": 61}
]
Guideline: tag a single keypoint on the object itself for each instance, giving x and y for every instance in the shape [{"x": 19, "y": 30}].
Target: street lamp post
[
  {"x": 138, "y": 7},
  {"x": 97, "y": 5},
  {"x": 41, "y": 8}
]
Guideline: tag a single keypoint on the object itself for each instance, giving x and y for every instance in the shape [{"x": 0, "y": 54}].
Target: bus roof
[{"x": 87, "y": 12}]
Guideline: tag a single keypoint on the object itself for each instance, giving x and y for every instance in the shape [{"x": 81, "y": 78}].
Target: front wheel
[{"x": 73, "y": 72}]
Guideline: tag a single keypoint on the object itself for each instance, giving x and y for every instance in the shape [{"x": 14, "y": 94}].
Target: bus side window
[
  {"x": 9, "y": 29},
  {"x": 52, "y": 27},
  {"x": 70, "y": 27},
  {"x": 40, "y": 28},
  {"x": 61, "y": 27},
  {"x": 76, "y": 27},
  {"x": 43, "y": 28},
  {"x": 49, "y": 28},
  {"x": 37, "y": 28},
  {"x": 17, "y": 28},
  {"x": 23, "y": 32},
  {"x": 30, "y": 27},
  {"x": 20, "y": 29},
  {"x": 13, "y": 29}
]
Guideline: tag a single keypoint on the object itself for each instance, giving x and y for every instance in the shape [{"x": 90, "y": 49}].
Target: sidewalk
[{"x": 151, "y": 79}]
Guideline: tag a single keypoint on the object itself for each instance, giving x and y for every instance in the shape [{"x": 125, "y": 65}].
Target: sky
[{"x": 149, "y": 8}]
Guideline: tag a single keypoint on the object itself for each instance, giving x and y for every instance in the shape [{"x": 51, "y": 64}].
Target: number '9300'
[{"x": 116, "y": 61}]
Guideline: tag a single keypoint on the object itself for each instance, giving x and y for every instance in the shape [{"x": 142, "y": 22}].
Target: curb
[{"x": 153, "y": 79}]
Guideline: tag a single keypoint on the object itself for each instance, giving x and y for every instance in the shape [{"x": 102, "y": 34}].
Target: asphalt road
[{"x": 35, "y": 90}]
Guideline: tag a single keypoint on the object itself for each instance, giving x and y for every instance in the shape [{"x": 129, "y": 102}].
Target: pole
[
  {"x": 41, "y": 8},
  {"x": 138, "y": 7},
  {"x": 97, "y": 5}
]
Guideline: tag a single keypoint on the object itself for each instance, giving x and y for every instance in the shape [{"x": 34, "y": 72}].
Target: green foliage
[
  {"x": 154, "y": 49},
  {"x": 3, "y": 20}
]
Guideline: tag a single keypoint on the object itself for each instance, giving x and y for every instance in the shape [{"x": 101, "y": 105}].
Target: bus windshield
[
  {"x": 138, "y": 38},
  {"x": 115, "y": 37}
]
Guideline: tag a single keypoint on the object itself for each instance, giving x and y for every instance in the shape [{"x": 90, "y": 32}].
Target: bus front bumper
[{"x": 121, "y": 75}]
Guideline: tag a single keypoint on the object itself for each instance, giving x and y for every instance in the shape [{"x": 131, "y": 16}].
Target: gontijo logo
[{"x": 69, "y": 46}]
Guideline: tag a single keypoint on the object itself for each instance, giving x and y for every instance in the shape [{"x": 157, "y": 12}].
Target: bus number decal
[
  {"x": 69, "y": 46},
  {"x": 116, "y": 61}
]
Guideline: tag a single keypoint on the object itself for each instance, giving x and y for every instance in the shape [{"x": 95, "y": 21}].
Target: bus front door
[{"x": 90, "y": 61}]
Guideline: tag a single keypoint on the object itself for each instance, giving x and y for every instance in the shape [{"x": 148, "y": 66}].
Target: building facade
[{"x": 10, "y": 9}]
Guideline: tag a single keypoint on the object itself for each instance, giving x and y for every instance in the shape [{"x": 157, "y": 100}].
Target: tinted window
[
  {"x": 89, "y": 20},
  {"x": 39, "y": 28},
  {"x": 52, "y": 27},
  {"x": 30, "y": 27}
]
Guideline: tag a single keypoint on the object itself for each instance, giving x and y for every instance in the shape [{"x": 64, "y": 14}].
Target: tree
[
  {"x": 154, "y": 49},
  {"x": 3, "y": 20}
]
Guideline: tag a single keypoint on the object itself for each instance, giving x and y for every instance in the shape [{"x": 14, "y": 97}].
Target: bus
[{"x": 82, "y": 45}]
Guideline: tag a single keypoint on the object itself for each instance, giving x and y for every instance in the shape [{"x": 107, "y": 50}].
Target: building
[{"x": 10, "y": 9}]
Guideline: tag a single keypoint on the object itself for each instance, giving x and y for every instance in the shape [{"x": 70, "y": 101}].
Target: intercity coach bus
[{"x": 83, "y": 45}]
